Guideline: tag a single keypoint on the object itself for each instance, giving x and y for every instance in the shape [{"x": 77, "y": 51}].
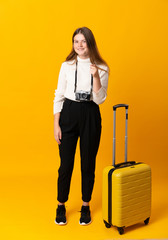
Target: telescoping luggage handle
[{"x": 114, "y": 130}]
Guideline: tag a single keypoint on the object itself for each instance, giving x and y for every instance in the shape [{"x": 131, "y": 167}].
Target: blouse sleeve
[
  {"x": 59, "y": 92},
  {"x": 101, "y": 95}
]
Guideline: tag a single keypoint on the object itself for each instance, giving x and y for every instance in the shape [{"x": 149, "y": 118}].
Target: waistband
[{"x": 74, "y": 101}]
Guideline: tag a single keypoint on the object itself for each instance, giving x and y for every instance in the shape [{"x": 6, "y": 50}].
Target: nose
[{"x": 80, "y": 44}]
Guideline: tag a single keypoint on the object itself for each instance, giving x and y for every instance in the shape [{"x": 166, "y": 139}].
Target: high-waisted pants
[{"x": 78, "y": 120}]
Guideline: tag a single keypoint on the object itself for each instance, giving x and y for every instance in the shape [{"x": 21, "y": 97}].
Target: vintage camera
[{"x": 82, "y": 96}]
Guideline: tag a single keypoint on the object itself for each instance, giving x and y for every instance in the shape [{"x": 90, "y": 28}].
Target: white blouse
[{"x": 66, "y": 82}]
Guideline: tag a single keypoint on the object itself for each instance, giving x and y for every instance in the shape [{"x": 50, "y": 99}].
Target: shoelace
[
  {"x": 84, "y": 212},
  {"x": 61, "y": 211}
]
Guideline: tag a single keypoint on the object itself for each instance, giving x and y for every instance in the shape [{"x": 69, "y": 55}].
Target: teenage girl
[{"x": 82, "y": 86}]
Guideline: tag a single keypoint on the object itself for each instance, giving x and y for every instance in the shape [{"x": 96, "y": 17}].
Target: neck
[{"x": 83, "y": 57}]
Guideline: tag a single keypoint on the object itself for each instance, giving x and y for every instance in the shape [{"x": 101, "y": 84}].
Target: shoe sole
[
  {"x": 61, "y": 223},
  {"x": 85, "y": 224}
]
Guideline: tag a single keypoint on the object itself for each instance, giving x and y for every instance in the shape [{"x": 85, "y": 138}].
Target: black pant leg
[
  {"x": 90, "y": 132},
  {"x": 67, "y": 148}
]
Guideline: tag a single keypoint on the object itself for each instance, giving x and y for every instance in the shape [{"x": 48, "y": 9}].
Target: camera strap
[{"x": 76, "y": 80}]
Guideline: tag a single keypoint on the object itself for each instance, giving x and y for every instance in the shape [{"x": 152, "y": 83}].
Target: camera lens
[{"x": 84, "y": 95}]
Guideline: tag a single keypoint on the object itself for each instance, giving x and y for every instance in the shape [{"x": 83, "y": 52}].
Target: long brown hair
[{"x": 92, "y": 46}]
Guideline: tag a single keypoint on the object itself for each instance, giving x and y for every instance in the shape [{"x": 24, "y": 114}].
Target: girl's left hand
[{"x": 94, "y": 70}]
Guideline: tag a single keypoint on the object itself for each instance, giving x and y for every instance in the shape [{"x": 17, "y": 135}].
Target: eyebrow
[{"x": 79, "y": 40}]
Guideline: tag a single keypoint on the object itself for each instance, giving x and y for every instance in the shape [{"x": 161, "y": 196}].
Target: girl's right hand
[{"x": 58, "y": 134}]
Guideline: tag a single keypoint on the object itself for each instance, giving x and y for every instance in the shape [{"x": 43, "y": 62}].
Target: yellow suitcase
[{"x": 126, "y": 197}]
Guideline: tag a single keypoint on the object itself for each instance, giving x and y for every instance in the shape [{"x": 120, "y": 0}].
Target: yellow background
[{"x": 35, "y": 38}]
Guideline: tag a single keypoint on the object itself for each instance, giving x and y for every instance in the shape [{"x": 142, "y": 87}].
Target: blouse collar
[{"x": 84, "y": 60}]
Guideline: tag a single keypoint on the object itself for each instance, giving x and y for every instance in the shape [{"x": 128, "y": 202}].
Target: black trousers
[{"x": 78, "y": 120}]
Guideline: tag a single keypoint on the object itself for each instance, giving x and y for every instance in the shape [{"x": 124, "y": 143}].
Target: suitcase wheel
[
  {"x": 108, "y": 225},
  {"x": 146, "y": 221},
  {"x": 120, "y": 230}
]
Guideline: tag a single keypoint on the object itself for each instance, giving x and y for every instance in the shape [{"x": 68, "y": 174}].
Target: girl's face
[{"x": 80, "y": 46}]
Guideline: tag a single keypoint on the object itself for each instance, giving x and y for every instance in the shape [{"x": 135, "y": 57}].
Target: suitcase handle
[
  {"x": 120, "y": 105},
  {"x": 114, "y": 130},
  {"x": 130, "y": 163}
]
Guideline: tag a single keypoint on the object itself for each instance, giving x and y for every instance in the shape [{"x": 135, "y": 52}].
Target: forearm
[
  {"x": 56, "y": 119},
  {"x": 100, "y": 88},
  {"x": 96, "y": 84}
]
